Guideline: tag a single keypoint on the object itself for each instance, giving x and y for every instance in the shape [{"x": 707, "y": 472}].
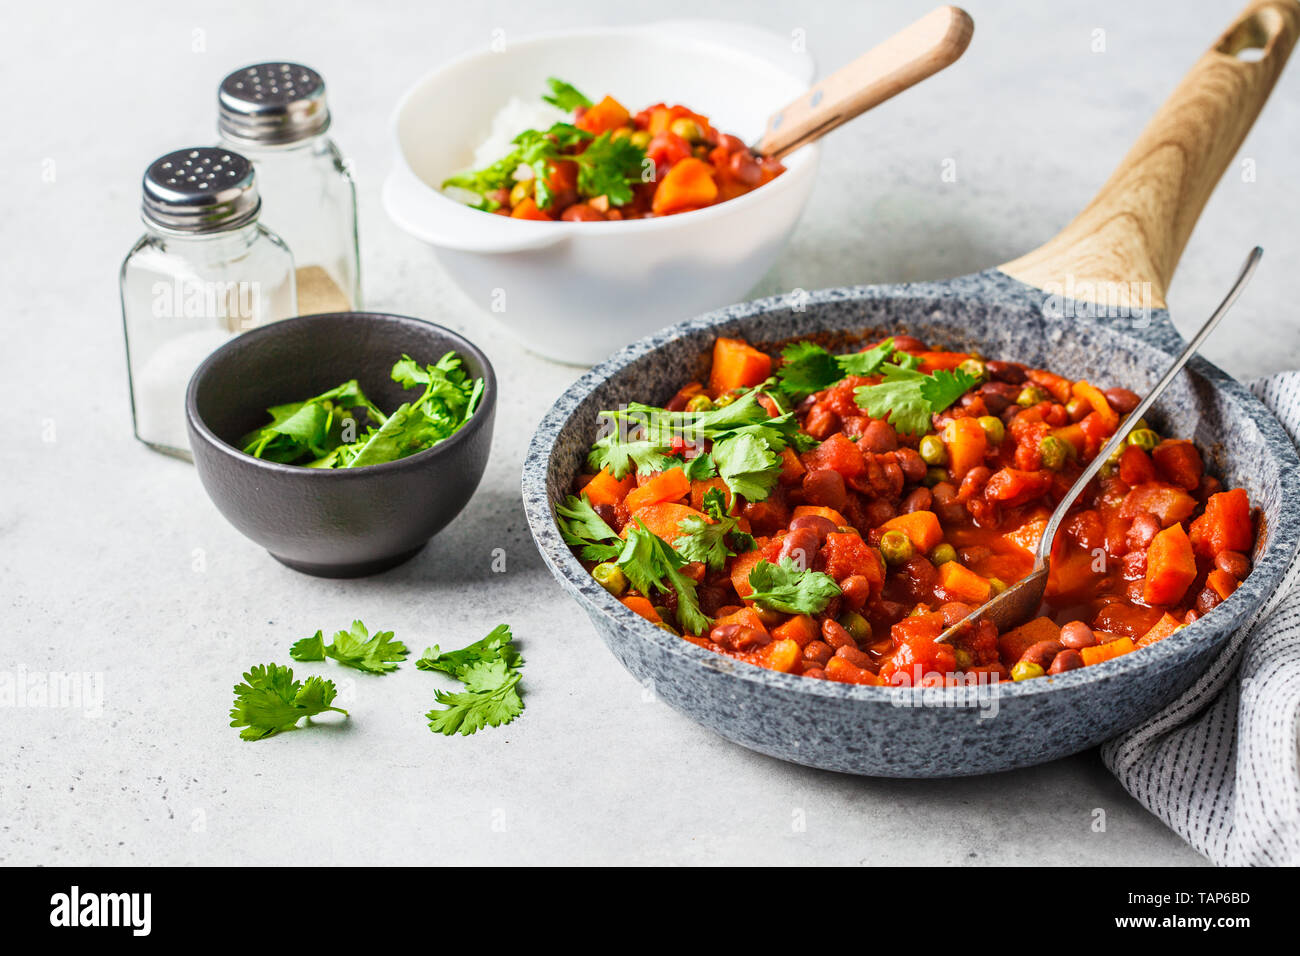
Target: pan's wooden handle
[
  {"x": 905, "y": 59},
  {"x": 1125, "y": 245}
]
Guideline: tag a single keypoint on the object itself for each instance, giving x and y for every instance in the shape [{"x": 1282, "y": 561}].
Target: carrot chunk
[
  {"x": 838, "y": 669},
  {"x": 528, "y": 210},
  {"x": 1171, "y": 567},
  {"x": 688, "y": 184},
  {"x": 663, "y": 519},
  {"x": 1225, "y": 526},
  {"x": 921, "y": 527},
  {"x": 1160, "y": 630},
  {"x": 780, "y": 655},
  {"x": 642, "y": 606},
  {"x": 736, "y": 364},
  {"x": 1108, "y": 651},
  {"x": 1222, "y": 583},
  {"x": 966, "y": 442},
  {"x": 1013, "y": 644},
  {"x": 605, "y": 489},
  {"x": 960, "y": 583},
  {"x": 1179, "y": 462},
  {"x": 1094, "y": 397},
  {"x": 670, "y": 485},
  {"x": 801, "y": 629},
  {"x": 830, "y": 514},
  {"x": 606, "y": 115}
]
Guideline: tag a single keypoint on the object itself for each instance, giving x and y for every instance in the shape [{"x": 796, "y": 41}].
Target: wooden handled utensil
[
  {"x": 1021, "y": 601},
  {"x": 936, "y": 40}
]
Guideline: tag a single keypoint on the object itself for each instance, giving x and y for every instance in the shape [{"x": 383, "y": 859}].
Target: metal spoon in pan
[{"x": 1021, "y": 601}]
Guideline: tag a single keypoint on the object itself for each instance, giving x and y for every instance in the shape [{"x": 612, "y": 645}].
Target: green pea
[
  {"x": 610, "y": 577},
  {"x": 963, "y": 658},
  {"x": 942, "y": 554},
  {"x": 699, "y": 403},
  {"x": 665, "y": 626},
  {"x": 1053, "y": 452},
  {"x": 723, "y": 400},
  {"x": 640, "y": 138},
  {"x": 1030, "y": 395},
  {"x": 933, "y": 450},
  {"x": 687, "y": 129},
  {"x": 998, "y": 585},
  {"x": 1143, "y": 438},
  {"x": 859, "y": 627},
  {"x": 896, "y": 547},
  {"x": 935, "y": 475},
  {"x": 1024, "y": 670},
  {"x": 975, "y": 369},
  {"x": 994, "y": 430}
]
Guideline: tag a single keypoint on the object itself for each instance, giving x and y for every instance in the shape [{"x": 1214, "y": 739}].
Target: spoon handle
[
  {"x": 902, "y": 61},
  {"x": 1117, "y": 440}
]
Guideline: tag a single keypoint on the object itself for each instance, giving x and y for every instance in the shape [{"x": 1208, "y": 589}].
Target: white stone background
[{"x": 98, "y": 535}]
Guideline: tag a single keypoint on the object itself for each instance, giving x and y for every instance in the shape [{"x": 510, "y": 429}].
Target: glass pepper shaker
[
  {"x": 276, "y": 115},
  {"x": 204, "y": 271}
]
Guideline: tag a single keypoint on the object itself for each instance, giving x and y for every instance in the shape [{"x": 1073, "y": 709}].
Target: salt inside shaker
[
  {"x": 277, "y": 116},
  {"x": 204, "y": 271}
]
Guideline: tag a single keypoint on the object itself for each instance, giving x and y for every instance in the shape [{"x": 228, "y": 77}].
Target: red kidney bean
[
  {"x": 823, "y": 526},
  {"x": 835, "y": 635},
  {"x": 1209, "y": 486},
  {"x": 1042, "y": 653},
  {"x": 800, "y": 546},
  {"x": 944, "y": 493},
  {"x": 825, "y": 486},
  {"x": 1056, "y": 415},
  {"x": 974, "y": 553},
  {"x": 1076, "y": 634},
  {"x": 738, "y": 637},
  {"x": 854, "y": 656},
  {"x": 856, "y": 589},
  {"x": 1066, "y": 660},
  {"x": 745, "y": 168},
  {"x": 953, "y": 612},
  {"x": 1207, "y": 601},
  {"x": 973, "y": 483},
  {"x": 995, "y": 396},
  {"x": 581, "y": 212},
  {"x": 878, "y": 437},
  {"x": 877, "y": 512},
  {"x": 1191, "y": 617},
  {"x": 1122, "y": 400},
  {"x": 1234, "y": 563},
  {"x": 607, "y": 513},
  {"x": 821, "y": 422},
  {"x": 1141, "y": 532},
  {"x": 1010, "y": 372},
  {"x": 819, "y": 652},
  {"x": 918, "y": 500},
  {"x": 1133, "y": 565},
  {"x": 816, "y": 673},
  {"x": 913, "y": 465},
  {"x": 908, "y": 343}
]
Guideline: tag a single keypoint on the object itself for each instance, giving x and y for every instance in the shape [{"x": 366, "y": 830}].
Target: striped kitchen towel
[{"x": 1221, "y": 764}]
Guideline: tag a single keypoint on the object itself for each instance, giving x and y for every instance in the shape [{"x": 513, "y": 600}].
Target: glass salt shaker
[
  {"x": 276, "y": 115},
  {"x": 204, "y": 271}
]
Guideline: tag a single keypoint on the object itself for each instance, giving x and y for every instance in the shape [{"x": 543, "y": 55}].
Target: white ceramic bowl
[{"x": 575, "y": 292}]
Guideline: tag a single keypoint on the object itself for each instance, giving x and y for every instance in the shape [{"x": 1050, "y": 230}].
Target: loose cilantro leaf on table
[
  {"x": 490, "y": 670},
  {"x": 581, "y": 527},
  {"x": 565, "y": 95},
  {"x": 652, "y": 566},
  {"x": 908, "y": 398},
  {"x": 354, "y": 648},
  {"x": 784, "y": 587},
  {"x": 270, "y": 701}
]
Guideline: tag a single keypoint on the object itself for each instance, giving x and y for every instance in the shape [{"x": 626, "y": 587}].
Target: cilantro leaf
[
  {"x": 909, "y": 398},
  {"x": 565, "y": 95},
  {"x": 270, "y": 701},
  {"x": 809, "y": 368},
  {"x": 651, "y": 565},
  {"x": 700, "y": 468},
  {"x": 747, "y": 463},
  {"x": 468, "y": 712},
  {"x": 354, "y": 648},
  {"x": 609, "y": 167},
  {"x": 490, "y": 670},
  {"x": 785, "y": 587},
  {"x": 703, "y": 541}
]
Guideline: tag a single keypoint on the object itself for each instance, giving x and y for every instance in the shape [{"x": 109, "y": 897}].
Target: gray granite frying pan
[{"x": 1089, "y": 304}]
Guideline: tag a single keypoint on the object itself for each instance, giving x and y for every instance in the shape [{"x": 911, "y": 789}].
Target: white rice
[{"x": 511, "y": 120}]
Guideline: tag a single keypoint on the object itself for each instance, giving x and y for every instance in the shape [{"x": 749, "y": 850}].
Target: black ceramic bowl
[{"x": 344, "y": 522}]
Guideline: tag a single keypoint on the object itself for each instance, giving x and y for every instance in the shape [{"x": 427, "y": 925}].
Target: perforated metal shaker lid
[
  {"x": 272, "y": 104},
  {"x": 200, "y": 189}
]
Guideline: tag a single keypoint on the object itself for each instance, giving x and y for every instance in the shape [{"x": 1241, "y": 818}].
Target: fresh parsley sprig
[
  {"x": 581, "y": 527},
  {"x": 490, "y": 669},
  {"x": 712, "y": 541},
  {"x": 652, "y": 566},
  {"x": 789, "y": 588},
  {"x": 808, "y": 367},
  {"x": 270, "y": 701},
  {"x": 909, "y": 398},
  {"x": 376, "y": 654}
]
